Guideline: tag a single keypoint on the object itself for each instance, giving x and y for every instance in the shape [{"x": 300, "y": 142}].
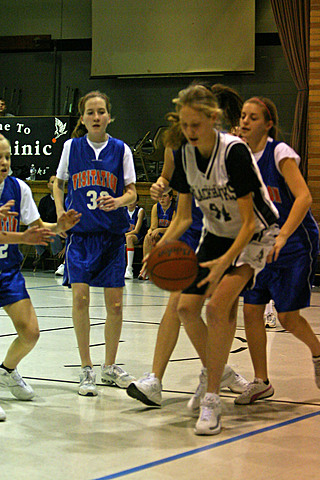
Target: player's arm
[
  {"x": 302, "y": 203},
  {"x": 58, "y": 195},
  {"x": 31, "y": 236},
  {"x": 162, "y": 184},
  {"x": 109, "y": 203},
  {"x": 154, "y": 221}
]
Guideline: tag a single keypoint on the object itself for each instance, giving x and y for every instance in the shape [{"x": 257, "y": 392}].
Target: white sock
[
  {"x": 269, "y": 308},
  {"x": 130, "y": 254}
]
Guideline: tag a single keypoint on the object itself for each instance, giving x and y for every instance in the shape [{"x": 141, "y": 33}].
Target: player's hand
[
  {"x": 281, "y": 240},
  {"x": 5, "y": 210},
  {"x": 156, "y": 190},
  {"x": 108, "y": 203},
  {"x": 37, "y": 236},
  {"x": 217, "y": 268},
  {"x": 62, "y": 252},
  {"x": 143, "y": 274},
  {"x": 68, "y": 220}
]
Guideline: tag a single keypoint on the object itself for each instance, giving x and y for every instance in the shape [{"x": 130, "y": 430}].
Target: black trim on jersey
[
  {"x": 214, "y": 155},
  {"x": 262, "y": 210},
  {"x": 240, "y": 171},
  {"x": 249, "y": 181}
]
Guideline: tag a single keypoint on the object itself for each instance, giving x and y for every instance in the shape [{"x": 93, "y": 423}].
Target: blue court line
[{"x": 206, "y": 447}]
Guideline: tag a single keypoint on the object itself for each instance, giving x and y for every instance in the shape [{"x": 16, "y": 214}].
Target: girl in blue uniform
[
  {"x": 101, "y": 184},
  {"x": 136, "y": 233},
  {"x": 161, "y": 215},
  {"x": 288, "y": 278},
  {"x": 14, "y": 298}
]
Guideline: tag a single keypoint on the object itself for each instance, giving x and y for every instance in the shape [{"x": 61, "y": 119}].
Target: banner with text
[{"x": 38, "y": 141}]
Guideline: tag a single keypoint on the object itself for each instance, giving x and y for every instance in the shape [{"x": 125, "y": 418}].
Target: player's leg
[
  {"x": 25, "y": 322},
  {"x": 257, "y": 342},
  {"x": 148, "y": 388},
  {"x": 110, "y": 372},
  {"x": 81, "y": 323},
  {"x": 131, "y": 241},
  {"x": 294, "y": 323},
  {"x": 221, "y": 314}
]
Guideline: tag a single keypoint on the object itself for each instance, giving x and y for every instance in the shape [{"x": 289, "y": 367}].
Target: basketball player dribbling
[{"x": 219, "y": 171}]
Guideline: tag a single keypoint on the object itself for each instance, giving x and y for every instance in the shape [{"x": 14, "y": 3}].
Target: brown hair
[
  {"x": 230, "y": 103},
  {"x": 269, "y": 111},
  {"x": 80, "y": 129}
]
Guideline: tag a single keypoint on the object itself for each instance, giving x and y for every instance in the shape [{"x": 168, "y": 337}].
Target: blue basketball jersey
[
  {"x": 10, "y": 255},
  {"x": 164, "y": 217},
  {"x": 280, "y": 194},
  {"x": 90, "y": 178},
  {"x": 133, "y": 219},
  {"x": 193, "y": 234}
]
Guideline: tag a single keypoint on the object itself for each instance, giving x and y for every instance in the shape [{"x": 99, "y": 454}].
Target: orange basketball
[{"x": 172, "y": 266}]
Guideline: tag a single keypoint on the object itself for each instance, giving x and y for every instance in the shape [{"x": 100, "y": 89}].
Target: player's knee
[
  {"x": 185, "y": 313},
  {"x": 30, "y": 334},
  {"x": 288, "y": 321},
  {"x": 81, "y": 302},
  {"x": 212, "y": 313},
  {"x": 115, "y": 309}
]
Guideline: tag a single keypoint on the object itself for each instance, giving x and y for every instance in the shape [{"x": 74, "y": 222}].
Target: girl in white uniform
[{"x": 240, "y": 228}]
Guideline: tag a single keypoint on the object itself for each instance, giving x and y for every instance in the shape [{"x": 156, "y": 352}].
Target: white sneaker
[
  {"x": 87, "y": 387},
  {"x": 147, "y": 389},
  {"x": 115, "y": 375},
  {"x": 210, "y": 415},
  {"x": 2, "y": 415},
  {"x": 60, "y": 270},
  {"x": 256, "y": 390},
  {"x": 232, "y": 380},
  {"x": 194, "y": 403},
  {"x": 17, "y": 386},
  {"x": 270, "y": 320},
  {"x": 129, "y": 273},
  {"x": 316, "y": 363}
]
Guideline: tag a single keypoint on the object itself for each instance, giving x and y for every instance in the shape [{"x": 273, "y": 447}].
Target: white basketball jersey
[{"x": 217, "y": 198}]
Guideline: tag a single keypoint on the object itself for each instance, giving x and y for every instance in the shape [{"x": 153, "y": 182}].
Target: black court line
[
  {"x": 95, "y": 365},
  {"x": 54, "y": 329}
]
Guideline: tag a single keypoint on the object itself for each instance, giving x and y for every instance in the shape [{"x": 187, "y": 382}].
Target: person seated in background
[
  {"x": 135, "y": 235},
  {"x": 3, "y": 109},
  {"x": 161, "y": 215},
  {"x": 47, "y": 212}
]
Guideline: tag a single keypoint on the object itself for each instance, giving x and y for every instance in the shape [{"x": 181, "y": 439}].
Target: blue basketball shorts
[
  {"x": 97, "y": 259},
  {"x": 12, "y": 286},
  {"x": 288, "y": 286}
]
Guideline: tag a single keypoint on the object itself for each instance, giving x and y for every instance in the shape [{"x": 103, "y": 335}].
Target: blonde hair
[
  {"x": 80, "y": 129},
  {"x": 196, "y": 96}
]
